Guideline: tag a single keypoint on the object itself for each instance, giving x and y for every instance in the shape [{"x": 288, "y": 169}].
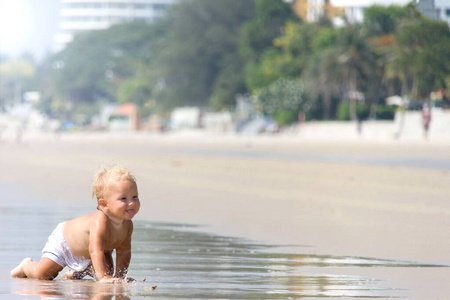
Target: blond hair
[{"x": 107, "y": 174}]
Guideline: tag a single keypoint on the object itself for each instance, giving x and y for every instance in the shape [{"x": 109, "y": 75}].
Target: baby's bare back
[
  {"x": 79, "y": 232},
  {"x": 76, "y": 233}
]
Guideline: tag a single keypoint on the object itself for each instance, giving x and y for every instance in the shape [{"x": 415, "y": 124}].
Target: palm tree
[
  {"x": 341, "y": 67},
  {"x": 422, "y": 53},
  {"x": 322, "y": 79},
  {"x": 355, "y": 60}
]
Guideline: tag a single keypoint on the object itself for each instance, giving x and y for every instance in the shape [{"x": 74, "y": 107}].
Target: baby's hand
[{"x": 110, "y": 279}]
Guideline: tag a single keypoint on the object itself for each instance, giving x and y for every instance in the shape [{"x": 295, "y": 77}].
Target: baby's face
[{"x": 122, "y": 199}]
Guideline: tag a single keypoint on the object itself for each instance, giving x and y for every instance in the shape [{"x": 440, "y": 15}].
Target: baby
[{"x": 85, "y": 244}]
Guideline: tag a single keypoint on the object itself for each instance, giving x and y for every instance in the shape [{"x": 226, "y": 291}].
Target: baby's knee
[{"x": 45, "y": 275}]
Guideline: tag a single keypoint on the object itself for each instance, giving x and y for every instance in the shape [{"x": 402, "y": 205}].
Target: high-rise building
[{"x": 85, "y": 15}]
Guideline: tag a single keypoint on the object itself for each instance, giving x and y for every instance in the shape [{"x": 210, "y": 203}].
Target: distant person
[
  {"x": 426, "y": 120},
  {"x": 85, "y": 244},
  {"x": 359, "y": 125},
  {"x": 2, "y": 128},
  {"x": 19, "y": 134}
]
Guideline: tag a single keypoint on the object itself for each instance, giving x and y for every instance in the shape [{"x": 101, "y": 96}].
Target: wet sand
[
  {"x": 328, "y": 197},
  {"x": 184, "y": 263}
]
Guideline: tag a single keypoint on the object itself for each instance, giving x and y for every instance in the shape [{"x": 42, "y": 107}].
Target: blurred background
[
  {"x": 114, "y": 81},
  {"x": 235, "y": 66}
]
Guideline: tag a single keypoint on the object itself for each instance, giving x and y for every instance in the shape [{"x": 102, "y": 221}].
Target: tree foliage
[
  {"x": 205, "y": 52},
  {"x": 259, "y": 33},
  {"x": 198, "y": 59},
  {"x": 382, "y": 20},
  {"x": 15, "y": 76},
  {"x": 423, "y": 51},
  {"x": 93, "y": 67},
  {"x": 283, "y": 100}
]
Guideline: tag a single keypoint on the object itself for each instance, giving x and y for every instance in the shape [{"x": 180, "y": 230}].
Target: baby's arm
[
  {"x": 123, "y": 256},
  {"x": 98, "y": 236}
]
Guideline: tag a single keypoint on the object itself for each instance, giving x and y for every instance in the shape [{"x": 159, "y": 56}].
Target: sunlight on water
[{"x": 185, "y": 263}]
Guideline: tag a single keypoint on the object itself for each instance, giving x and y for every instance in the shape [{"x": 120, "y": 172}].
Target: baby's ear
[{"x": 101, "y": 203}]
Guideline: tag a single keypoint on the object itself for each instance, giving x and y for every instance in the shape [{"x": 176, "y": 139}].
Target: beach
[{"x": 359, "y": 198}]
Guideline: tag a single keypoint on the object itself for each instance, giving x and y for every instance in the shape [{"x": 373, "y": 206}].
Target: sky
[{"x": 28, "y": 26}]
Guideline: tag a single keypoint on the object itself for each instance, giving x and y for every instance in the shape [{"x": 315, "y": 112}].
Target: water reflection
[
  {"x": 64, "y": 289},
  {"x": 185, "y": 263}
]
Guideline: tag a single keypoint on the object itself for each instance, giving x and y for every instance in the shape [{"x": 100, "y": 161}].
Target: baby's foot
[
  {"x": 74, "y": 275},
  {"x": 18, "y": 272}
]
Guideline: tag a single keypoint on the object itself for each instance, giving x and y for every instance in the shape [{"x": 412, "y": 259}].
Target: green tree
[
  {"x": 323, "y": 80},
  {"x": 15, "y": 77},
  {"x": 264, "y": 60},
  {"x": 355, "y": 60},
  {"x": 136, "y": 90},
  {"x": 229, "y": 82},
  {"x": 423, "y": 51},
  {"x": 289, "y": 57},
  {"x": 92, "y": 68},
  {"x": 258, "y": 35},
  {"x": 200, "y": 45},
  {"x": 383, "y": 20},
  {"x": 283, "y": 100}
]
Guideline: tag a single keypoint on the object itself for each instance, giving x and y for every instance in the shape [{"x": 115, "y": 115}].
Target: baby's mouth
[{"x": 130, "y": 211}]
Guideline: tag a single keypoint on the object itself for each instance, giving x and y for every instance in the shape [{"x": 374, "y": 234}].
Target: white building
[
  {"x": 312, "y": 10},
  {"x": 443, "y": 6},
  {"x": 435, "y": 9},
  {"x": 85, "y": 15},
  {"x": 354, "y": 10}
]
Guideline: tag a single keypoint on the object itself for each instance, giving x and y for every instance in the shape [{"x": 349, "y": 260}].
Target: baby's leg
[
  {"x": 18, "y": 271},
  {"x": 45, "y": 269}
]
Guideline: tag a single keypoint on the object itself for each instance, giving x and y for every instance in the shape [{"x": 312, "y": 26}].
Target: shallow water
[{"x": 185, "y": 263}]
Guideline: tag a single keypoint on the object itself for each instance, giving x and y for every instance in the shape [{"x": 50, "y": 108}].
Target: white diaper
[{"x": 57, "y": 250}]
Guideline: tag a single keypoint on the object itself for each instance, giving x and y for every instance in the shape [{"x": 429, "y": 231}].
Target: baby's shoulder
[
  {"x": 88, "y": 220},
  {"x": 89, "y": 217}
]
